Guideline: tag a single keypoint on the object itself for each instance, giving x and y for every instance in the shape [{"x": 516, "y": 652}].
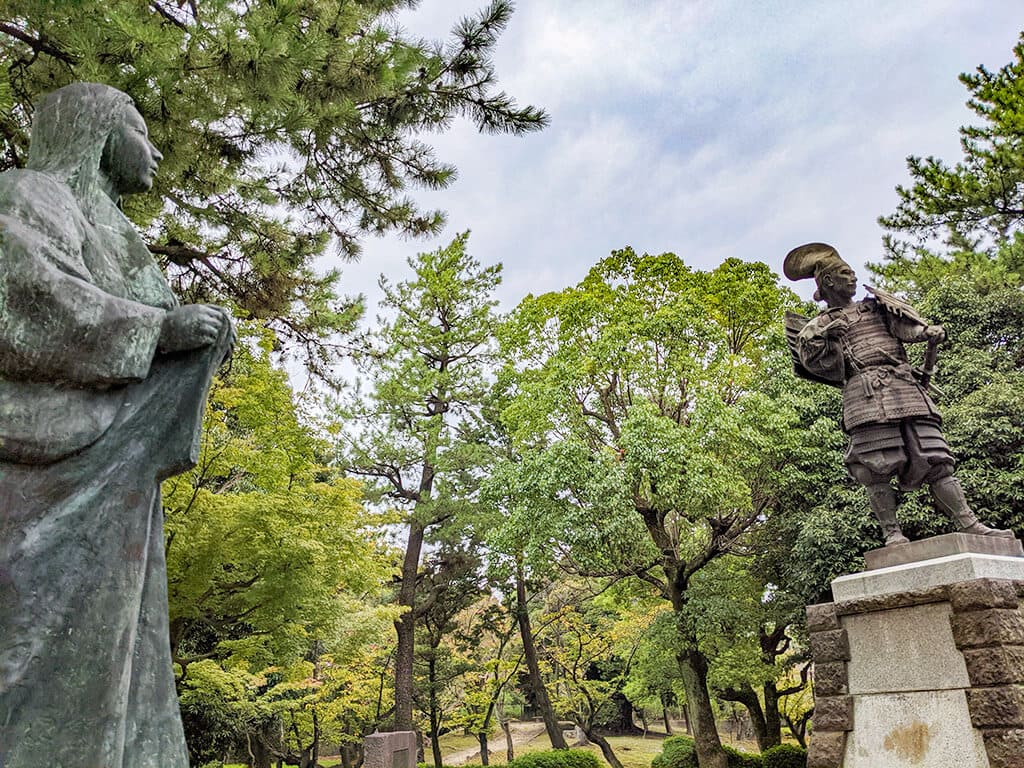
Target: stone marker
[
  {"x": 103, "y": 381},
  {"x": 395, "y": 749}
]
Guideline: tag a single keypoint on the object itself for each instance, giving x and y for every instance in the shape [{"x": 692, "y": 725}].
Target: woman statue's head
[{"x": 92, "y": 138}]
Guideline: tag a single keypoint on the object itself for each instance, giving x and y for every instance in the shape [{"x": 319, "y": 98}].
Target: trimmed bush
[
  {"x": 557, "y": 758},
  {"x": 739, "y": 759},
  {"x": 784, "y": 756},
  {"x": 676, "y": 752},
  {"x": 680, "y": 752}
]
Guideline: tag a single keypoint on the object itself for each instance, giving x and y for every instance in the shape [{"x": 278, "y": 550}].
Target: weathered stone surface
[
  {"x": 983, "y": 593},
  {"x": 1005, "y": 747},
  {"x": 929, "y": 573},
  {"x": 941, "y": 546},
  {"x": 830, "y": 678},
  {"x": 826, "y": 749},
  {"x": 396, "y": 749},
  {"x": 999, "y": 707},
  {"x": 831, "y": 645},
  {"x": 833, "y": 713},
  {"x": 885, "y": 602},
  {"x": 995, "y": 666},
  {"x": 906, "y": 649},
  {"x": 821, "y": 617},
  {"x": 988, "y": 627},
  {"x": 926, "y": 729}
]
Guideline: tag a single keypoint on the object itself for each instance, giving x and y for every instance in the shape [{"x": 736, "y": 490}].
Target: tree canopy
[
  {"x": 654, "y": 430},
  {"x": 287, "y": 126},
  {"x": 977, "y": 203}
]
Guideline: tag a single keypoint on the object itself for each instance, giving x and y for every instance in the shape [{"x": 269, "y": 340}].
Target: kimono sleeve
[
  {"x": 819, "y": 354},
  {"x": 57, "y": 326}
]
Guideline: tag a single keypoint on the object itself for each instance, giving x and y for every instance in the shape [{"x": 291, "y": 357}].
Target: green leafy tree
[
  {"x": 286, "y": 126},
  {"x": 524, "y": 570},
  {"x": 976, "y": 205},
  {"x": 268, "y": 552},
  {"x": 452, "y": 577},
  {"x": 261, "y": 534},
  {"x": 592, "y": 643},
  {"x": 747, "y": 630},
  {"x": 418, "y": 437},
  {"x": 653, "y": 416},
  {"x": 486, "y": 639}
]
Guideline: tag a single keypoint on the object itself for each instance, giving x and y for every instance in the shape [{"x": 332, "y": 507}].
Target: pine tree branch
[
  {"x": 38, "y": 44},
  {"x": 168, "y": 15}
]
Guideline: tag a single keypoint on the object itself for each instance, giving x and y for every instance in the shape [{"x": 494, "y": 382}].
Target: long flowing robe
[{"x": 92, "y": 418}]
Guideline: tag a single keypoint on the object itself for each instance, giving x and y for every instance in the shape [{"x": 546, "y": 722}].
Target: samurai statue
[{"x": 893, "y": 424}]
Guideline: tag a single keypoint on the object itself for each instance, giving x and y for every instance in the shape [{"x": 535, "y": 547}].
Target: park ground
[{"x": 528, "y": 736}]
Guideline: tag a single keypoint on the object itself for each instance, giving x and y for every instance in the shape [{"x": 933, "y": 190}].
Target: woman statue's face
[{"x": 129, "y": 158}]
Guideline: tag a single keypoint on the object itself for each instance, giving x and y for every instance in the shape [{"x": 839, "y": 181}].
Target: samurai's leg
[
  {"x": 949, "y": 496},
  {"x": 882, "y": 497}
]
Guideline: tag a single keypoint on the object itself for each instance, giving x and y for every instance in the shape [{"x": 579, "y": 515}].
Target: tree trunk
[
  {"x": 533, "y": 665},
  {"x": 484, "y": 754},
  {"x": 686, "y": 719},
  {"x": 772, "y": 718},
  {"x": 435, "y": 720},
  {"x": 606, "y": 749},
  {"x": 746, "y": 696},
  {"x": 621, "y": 722},
  {"x": 694, "y": 670},
  {"x": 799, "y": 727},
  {"x": 405, "y": 627},
  {"x": 510, "y": 751},
  {"x": 664, "y": 714},
  {"x": 315, "y": 746}
]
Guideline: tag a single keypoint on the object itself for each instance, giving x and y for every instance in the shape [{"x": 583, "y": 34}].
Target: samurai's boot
[
  {"x": 883, "y": 503},
  {"x": 950, "y": 498}
]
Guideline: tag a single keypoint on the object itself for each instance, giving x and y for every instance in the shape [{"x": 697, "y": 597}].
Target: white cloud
[{"x": 711, "y": 128}]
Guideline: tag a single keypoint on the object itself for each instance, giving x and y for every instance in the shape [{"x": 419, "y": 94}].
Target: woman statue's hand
[{"x": 192, "y": 326}]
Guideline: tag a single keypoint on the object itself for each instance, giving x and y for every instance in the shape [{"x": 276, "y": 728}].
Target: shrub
[
  {"x": 680, "y": 752},
  {"x": 557, "y": 758},
  {"x": 784, "y": 756},
  {"x": 739, "y": 759},
  {"x": 676, "y": 752}
]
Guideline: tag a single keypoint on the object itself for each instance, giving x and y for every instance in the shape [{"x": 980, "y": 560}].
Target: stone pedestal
[
  {"x": 919, "y": 662},
  {"x": 395, "y": 749}
]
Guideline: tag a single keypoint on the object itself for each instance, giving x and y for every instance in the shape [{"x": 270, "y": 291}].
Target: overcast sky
[{"x": 709, "y": 128}]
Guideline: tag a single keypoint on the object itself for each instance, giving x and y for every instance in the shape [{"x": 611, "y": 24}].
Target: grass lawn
[
  {"x": 457, "y": 742},
  {"x": 633, "y": 751}
]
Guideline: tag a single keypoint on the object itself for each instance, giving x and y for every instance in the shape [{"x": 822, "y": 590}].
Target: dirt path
[{"x": 522, "y": 733}]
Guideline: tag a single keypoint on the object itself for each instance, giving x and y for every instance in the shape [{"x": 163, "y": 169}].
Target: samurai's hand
[{"x": 936, "y": 332}]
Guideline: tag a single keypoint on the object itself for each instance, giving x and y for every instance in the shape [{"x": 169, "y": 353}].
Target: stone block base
[
  {"x": 394, "y": 749},
  {"x": 929, "y": 675}
]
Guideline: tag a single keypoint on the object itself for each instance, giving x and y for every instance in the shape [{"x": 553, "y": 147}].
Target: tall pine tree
[{"x": 287, "y": 126}]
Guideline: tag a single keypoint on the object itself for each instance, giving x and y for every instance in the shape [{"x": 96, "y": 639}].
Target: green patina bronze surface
[{"x": 103, "y": 379}]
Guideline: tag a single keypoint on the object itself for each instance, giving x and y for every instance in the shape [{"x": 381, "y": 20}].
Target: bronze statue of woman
[{"x": 103, "y": 380}]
